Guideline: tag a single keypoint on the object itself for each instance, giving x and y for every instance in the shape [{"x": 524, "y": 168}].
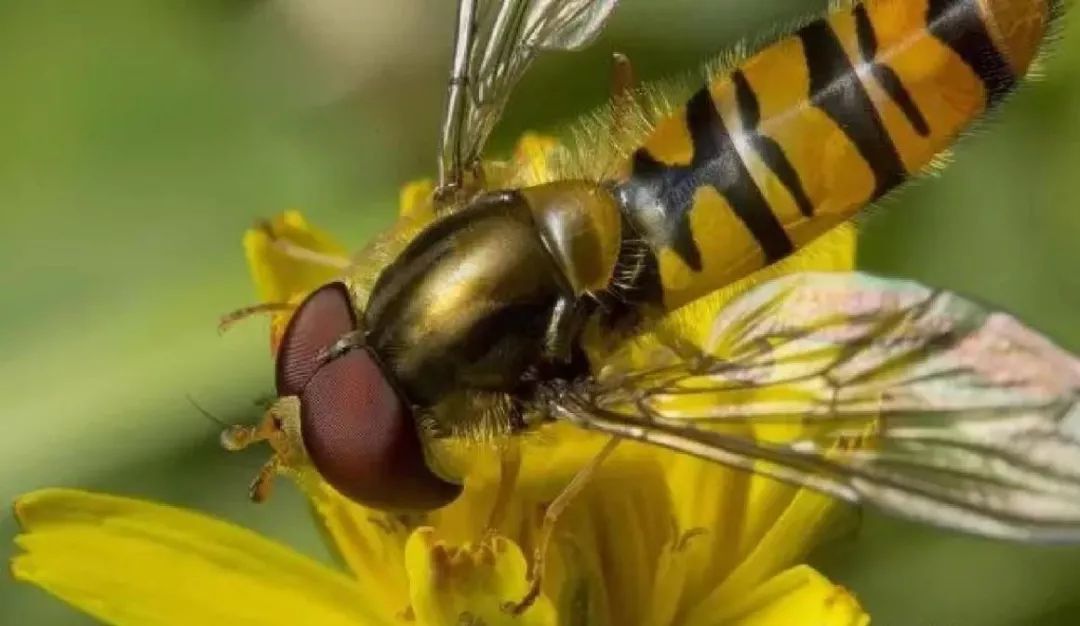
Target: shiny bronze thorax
[{"x": 486, "y": 295}]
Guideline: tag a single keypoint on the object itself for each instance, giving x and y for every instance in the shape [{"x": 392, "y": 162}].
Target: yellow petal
[
  {"x": 799, "y": 596},
  {"x": 729, "y": 513},
  {"x": 710, "y": 507},
  {"x": 601, "y": 564},
  {"x": 279, "y": 277},
  {"x": 790, "y": 536},
  {"x": 370, "y": 542},
  {"x": 470, "y": 584},
  {"x": 705, "y": 492},
  {"x": 128, "y": 561},
  {"x": 550, "y": 457},
  {"x": 673, "y": 583},
  {"x": 618, "y": 532}
]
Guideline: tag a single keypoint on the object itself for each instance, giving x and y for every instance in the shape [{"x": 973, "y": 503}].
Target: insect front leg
[
  {"x": 280, "y": 428},
  {"x": 567, "y": 318},
  {"x": 228, "y": 320},
  {"x": 623, "y": 79},
  {"x": 623, "y": 84}
]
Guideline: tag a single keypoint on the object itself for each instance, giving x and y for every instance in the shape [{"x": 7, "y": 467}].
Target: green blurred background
[{"x": 140, "y": 138}]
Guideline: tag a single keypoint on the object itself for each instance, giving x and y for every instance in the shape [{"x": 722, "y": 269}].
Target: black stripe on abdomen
[
  {"x": 718, "y": 164},
  {"x": 959, "y": 25},
  {"x": 766, "y": 147},
  {"x": 666, "y": 192},
  {"x": 883, "y": 74},
  {"x": 836, "y": 90}
]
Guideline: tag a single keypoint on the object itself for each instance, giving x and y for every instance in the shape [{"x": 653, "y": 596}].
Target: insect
[{"x": 495, "y": 310}]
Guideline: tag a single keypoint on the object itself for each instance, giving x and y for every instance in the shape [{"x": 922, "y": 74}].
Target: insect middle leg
[
  {"x": 623, "y": 80},
  {"x": 623, "y": 83},
  {"x": 551, "y": 517},
  {"x": 567, "y": 320},
  {"x": 230, "y": 319},
  {"x": 509, "y": 469}
]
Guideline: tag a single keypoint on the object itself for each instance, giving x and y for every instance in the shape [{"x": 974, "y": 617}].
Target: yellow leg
[
  {"x": 263, "y": 484},
  {"x": 229, "y": 319},
  {"x": 509, "y": 467},
  {"x": 623, "y": 80},
  {"x": 551, "y": 516},
  {"x": 271, "y": 430},
  {"x": 623, "y": 83}
]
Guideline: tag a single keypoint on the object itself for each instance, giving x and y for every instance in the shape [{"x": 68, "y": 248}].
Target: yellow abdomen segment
[{"x": 812, "y": 128}]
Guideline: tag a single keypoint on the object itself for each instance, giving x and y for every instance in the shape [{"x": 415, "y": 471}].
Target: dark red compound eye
[
  {"x": 357, "y": 431},
  {"x": 363, "y": 440},
  {"x": 320, "y": 320}
]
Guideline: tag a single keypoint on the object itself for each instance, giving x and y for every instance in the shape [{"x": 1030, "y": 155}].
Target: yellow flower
[
  {"x": 279, "y": 278},
  {"x": 654, "y": 539}
]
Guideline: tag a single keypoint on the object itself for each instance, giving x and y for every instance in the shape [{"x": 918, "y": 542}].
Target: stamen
[{"x": 207, "y": 414}]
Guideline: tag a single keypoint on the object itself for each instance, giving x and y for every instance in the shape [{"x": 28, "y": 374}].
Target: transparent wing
[
  {"x": 876, "y": 391},
  {"x": 495, "y": 42}
]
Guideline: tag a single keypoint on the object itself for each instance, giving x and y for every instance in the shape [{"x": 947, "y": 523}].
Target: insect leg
[
  {"x": 279, "y": 428},
  {"x": 238, "y": 437},
  {"x": 623, "y": 80},
  {"x": 509, "y": 468},
  {"x": 551, "y": 517},
  {"x": 228, "y": 320},
  {"x": 566, "y": 320},
  {"x": 263, "y": 484},
  {"x": 623, "y": 83}
]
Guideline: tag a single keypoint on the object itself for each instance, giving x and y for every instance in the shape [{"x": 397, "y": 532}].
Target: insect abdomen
[{"x": 812, "y": 128}]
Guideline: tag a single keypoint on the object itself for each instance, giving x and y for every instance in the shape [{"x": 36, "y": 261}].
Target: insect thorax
[{"x": 491, "y": 299}]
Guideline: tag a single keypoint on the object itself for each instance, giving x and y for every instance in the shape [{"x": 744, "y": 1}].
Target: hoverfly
[{"x": 964, "y": 417}]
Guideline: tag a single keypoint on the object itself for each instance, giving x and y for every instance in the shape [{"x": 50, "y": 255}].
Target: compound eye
[
  {"x": 318, "y": 323},
  {"x": 363, "y": 440}
]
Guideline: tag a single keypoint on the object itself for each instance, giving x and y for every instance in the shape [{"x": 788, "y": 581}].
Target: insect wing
[
  {"x": 884, "y": 392},
  {"x": 495, "y": 43},
  {"x": 565, "y": 24}
]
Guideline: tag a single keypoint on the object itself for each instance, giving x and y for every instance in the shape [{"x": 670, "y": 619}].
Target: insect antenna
[
  {"x": 207, "y": 414},
  {"x": 233, "y": 437},
  {"x": 265, "y": 400}
]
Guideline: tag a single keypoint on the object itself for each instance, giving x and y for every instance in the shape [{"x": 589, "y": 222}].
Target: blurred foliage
[{"x": 142, "y": 136}]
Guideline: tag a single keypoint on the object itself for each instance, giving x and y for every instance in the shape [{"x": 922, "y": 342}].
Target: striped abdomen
[{"x": 814, "y": 127}]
